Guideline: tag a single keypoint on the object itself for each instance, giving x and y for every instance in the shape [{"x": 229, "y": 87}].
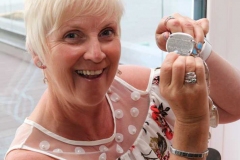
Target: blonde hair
[{"x": 42, "y": 17}]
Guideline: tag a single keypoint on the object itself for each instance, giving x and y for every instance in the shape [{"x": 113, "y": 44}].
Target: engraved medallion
[{"x": 181, "y": 42}]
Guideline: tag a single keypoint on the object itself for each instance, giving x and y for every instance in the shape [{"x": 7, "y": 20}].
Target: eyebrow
[{"x": 79, "y": 24}]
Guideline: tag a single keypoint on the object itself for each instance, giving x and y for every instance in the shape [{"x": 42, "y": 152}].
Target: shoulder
[
  {"x": 26, "y": 155},
  {"x": 137, "y": 76}
]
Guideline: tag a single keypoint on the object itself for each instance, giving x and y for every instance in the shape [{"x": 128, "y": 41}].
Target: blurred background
[{"x": 21, "y": 82}]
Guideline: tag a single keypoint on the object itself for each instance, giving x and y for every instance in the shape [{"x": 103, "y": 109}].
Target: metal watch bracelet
[{"x": 188, "y": 154}]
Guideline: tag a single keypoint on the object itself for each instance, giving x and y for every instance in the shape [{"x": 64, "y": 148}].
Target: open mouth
[{"x": 89, "y": 74}]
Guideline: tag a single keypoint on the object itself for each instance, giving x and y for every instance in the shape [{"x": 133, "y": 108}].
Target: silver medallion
[{"x": 181, "y": 42}]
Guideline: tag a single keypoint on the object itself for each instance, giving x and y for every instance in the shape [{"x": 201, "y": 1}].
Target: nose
[{"x": 94, "y": 51}]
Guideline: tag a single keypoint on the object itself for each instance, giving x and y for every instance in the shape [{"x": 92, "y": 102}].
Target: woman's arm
[
  {"x": 189, "y": 102},
  {"x": 190, "y": 138},
  {"x": 224, "y": 78},
  {"x": 224, "y": 87}
]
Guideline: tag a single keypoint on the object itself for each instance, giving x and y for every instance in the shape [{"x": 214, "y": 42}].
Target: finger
[
  {"x": 161, "y": 40},
  {"x": 174, "y": 25},
  {"x": 166, "y": 69},
  {"x": 164, "y": 26},
  {"x": 161, "y": 28},
  {"x": 201, "y": 80},
  {"x": 198, "y": 31},
  {"x": 187, "y": 27},
  {"x": 190, "y": 74},
  {"x": 204, "y": 24},
  {"x": 178, "y": 71},
  {"x": 186, "y": 23},
  {"x": 190, "y": 64},
  {"x": 198, "y": 34},
  {"x": 200, "y": 71}
]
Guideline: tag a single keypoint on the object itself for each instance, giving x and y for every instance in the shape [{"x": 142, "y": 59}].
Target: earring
[
  {"x": 44, "y": 79},
  {"x": 119, "y": 72},
  {"x": 40, "y": 65}
]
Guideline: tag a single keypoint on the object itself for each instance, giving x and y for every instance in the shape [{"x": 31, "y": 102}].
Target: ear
[{"x": 37, "y": 61}]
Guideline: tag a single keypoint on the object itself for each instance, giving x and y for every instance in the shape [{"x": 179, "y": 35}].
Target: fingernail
[
  {"x": 194, "y": 51},
  {"x": 166, "y": 36},
  {"x": 199, "y": 45},
  {"x": 176, "y": 51}
]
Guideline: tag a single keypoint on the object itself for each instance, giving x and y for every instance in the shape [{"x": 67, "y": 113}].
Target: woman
[{"x": 95, "y": 109}]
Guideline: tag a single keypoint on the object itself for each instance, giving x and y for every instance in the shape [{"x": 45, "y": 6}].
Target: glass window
[
  {"x": 12, "y": 29},
  {"x": 21, "y": 82},
  {"x": 138, "y": 29},
  {"x": 12, "y": 86}
]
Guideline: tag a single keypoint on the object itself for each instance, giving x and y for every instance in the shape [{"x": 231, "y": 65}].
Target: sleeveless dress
[{"x": 143, "y": 129}]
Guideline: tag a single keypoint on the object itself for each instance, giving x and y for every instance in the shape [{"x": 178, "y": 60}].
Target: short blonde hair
[{"x": 42, "y": 17}]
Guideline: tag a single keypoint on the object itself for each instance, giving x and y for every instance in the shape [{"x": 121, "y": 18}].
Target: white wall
[{"x": 224, "y": 35}]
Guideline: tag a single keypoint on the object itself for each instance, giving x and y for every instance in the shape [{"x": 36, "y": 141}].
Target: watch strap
[{"x": 206, "y": 50}]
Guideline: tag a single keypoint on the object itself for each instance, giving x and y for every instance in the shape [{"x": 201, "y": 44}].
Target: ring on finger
[
  {"x": 194, "y": 80},
  {"x": 167, "y": 19},
  {"x": 190, "y": 77}
]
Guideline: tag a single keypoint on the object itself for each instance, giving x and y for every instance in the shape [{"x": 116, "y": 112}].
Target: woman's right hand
[{"x": 189, "y": 101}]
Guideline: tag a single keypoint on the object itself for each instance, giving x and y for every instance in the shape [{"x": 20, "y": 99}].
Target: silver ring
[
  {"x": 190, "y": 80},
  {"x": 167, "y": 19},
  {"x": 190, "y": 77}
]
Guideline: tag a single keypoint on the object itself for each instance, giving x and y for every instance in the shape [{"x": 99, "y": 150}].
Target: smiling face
[{"x": 83, "y": 59}]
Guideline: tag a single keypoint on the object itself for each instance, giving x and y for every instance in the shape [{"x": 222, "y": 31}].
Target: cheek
[
  {"x": 60, "y": 62},
  {"x": 66, "y": 56},
  {"x": 113, "y": 51}
]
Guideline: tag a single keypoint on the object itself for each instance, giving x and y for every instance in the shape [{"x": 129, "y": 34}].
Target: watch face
[{"x": 181, "y": 42}]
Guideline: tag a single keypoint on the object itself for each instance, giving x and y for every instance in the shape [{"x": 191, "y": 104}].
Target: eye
[
  {"x": 74, "y": 37},
  {"x": 71, "y": 35},
  {"x": 108, "y": 32}
]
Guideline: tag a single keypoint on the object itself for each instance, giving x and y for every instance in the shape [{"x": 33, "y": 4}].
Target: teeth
[
  {"x": 90, "y": 73},
  {"x": 98, "y": 72}
]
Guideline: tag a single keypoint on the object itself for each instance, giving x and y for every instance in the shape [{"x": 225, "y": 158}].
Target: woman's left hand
[{"x": 178, "y": 23}]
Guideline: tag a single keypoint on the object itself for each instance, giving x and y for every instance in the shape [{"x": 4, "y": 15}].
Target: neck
[{"x": 66, "y": 121}]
